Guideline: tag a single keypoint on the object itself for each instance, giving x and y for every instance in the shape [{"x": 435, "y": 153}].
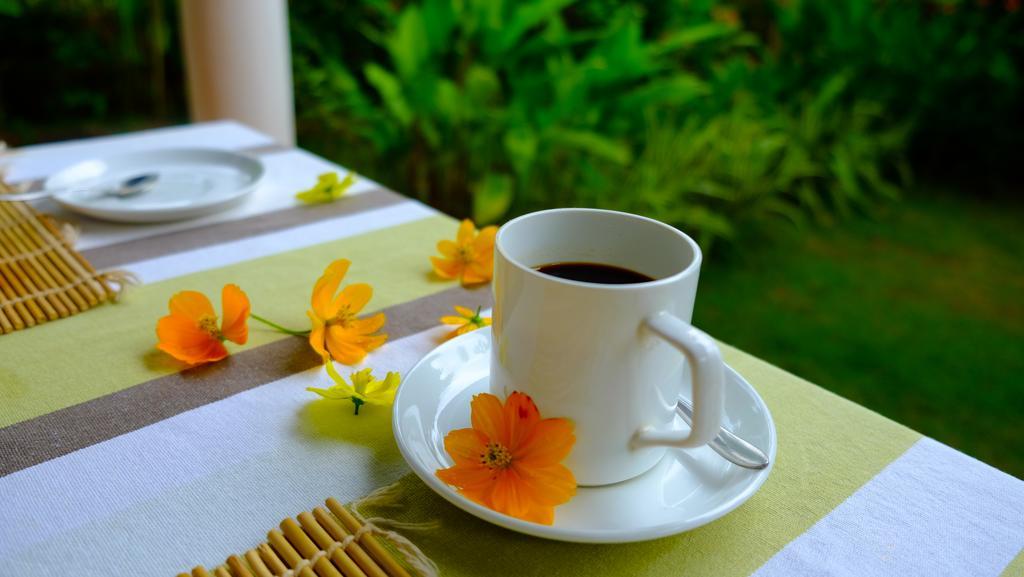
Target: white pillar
[{"x": 239, "y": 63}]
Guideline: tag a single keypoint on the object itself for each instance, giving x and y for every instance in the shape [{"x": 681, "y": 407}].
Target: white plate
[
  {"x": 191, "y": 182},
  {"x": 687, "y": 489}
]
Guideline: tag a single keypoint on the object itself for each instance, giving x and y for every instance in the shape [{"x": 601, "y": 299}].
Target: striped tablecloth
[{"x": 113, "y": 461}]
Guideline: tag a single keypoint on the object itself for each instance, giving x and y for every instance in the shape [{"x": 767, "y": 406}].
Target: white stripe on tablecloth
[
  {"x": 933, "y": 511},
  {"x": 289, "y": 239},
  {"x": 202, "y": 484}
]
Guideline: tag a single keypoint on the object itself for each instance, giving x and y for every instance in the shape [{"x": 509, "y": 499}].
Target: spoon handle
[
  {"x": 727, "y": 444},
  {"x": 25, "y": 196}
]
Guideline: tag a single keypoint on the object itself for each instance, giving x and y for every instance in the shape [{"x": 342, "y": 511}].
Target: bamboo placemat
[
  {"x": 331, "y": 542},
  {"x": 42, "y": 276}
]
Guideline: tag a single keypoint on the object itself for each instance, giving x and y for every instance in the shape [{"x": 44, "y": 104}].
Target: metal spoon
[
  {"x": 128, "y": 187},
  {"x": 727, "y": 444}
]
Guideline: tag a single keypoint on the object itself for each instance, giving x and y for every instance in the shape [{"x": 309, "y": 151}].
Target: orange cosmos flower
[
  {"x": 510, "y": 461},
  {"x": 337, "y": 333},
  {"x": 190, "y": 332},
  {"x": 466, "y": 321},
  {"x": 470, "y": 257}
]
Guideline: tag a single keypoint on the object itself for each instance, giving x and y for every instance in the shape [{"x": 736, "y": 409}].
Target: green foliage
[{"x": 489, "y": 108}]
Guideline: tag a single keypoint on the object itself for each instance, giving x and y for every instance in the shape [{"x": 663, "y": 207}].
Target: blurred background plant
[{"x": 839, "y": 157}]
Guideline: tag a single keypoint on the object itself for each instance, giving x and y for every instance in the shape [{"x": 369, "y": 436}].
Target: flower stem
[
  {"x": 277, "y": 327},
  {"x": 358, "y": 403}
]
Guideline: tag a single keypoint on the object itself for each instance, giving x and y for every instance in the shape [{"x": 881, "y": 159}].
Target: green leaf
[
  {"x": 693, "y": 35},
  {"x": 390, "y": 92},
  {"x": 592, "y": 143},
  {"x": 492, "y": 198},
  {"x": 675, "y": 90},
  {"x": 521, "y": 145},
  {"x": 526, "y": 16},
  {"x": 408, "y": 44}
]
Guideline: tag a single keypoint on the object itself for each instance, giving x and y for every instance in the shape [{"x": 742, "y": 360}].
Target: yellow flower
[
  {"x": 510, "y": 460},
  {"x": 470, "y": 257},
  {"x": 190, "y": 332},
  {"x": 364, "y": 389},
  {"x": 337, "y": 333},
  {"x": 467, "y": 321},
  {"x": 327, "y": 188}
]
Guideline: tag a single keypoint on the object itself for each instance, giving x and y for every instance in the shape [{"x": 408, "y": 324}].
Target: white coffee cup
[{"x": 611, "y": 357}]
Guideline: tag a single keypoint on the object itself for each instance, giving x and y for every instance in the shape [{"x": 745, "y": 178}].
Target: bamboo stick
[
  {"x": 271, "y": 559},
  {"x": 288, "y": 553},
  {"x": 5, "y": 325},
  {"x": 64, "y": 256},
  {"x": 17, "y": 313},
  {"x": 60, "y": 258},
  {"x": 307, "y": 548},
  {"x": 330, "y": 529},
  {"x": 22, "y": 284},
  {"x": 15, "y": 267},
  {"x": 200, "y": 571},
  {"x": 221, "y": 572},
  {"x": 257, "y": 564},
  {"x": 14, "y": 290},
  {"x": 238, "y": 569},
  {"x": 13, "y": 218},
  {"x": 46, "y": 261},
  {"x": 11, "y": 247},
  {"x": 45, "y": 225},
  {"x": 370, "y": 542}
]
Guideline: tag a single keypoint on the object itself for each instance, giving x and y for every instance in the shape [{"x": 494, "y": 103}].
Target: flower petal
[
  {"x": 488, "y": 417},
  {"x": 180, "y": 337},
  {"x": 341, "y": 346},
  {"x": 464, "y": 312},
  {"x": 511, "y": 496},
  {"x": 465, "y": 446},
  {"x": 355, "y": 296},
  {"x": 466, "y": 232},
  {"x": 368, "y": 325},
  {"x": 484, "y": 242},
  {"x": 447, "y": 248},
  {"x": 521, "y": 418},
  {"x": 192, "y": 305},
  {"x": 447, "y": 268},
  {"x": 317, "y": 335},
  {"x": 473, "y": 481},
  {"x": 549, "y": 486},
  {"x": 327, "y": 285},
  {"x": 235, "y": 305},
  {"x": 550, "y": 442},
  {"x": 477, "y": 272},
  {"x": 453, "y": 320}
]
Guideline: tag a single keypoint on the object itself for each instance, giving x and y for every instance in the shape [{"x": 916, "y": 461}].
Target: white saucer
[
  {"x": 191, "y": 182},
  {"x": 687, "y": 489}
]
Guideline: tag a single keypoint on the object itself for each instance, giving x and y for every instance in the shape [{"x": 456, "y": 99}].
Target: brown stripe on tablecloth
[
  {"x": 36, "y": 184},
  {"x": 49, "y": 436},
  {"x": 134, "y": 250}
]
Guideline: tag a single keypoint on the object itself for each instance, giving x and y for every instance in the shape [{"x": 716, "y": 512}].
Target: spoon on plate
[
  {"x": 727, "y": 444},
  {"x": 127, "y": 188}
]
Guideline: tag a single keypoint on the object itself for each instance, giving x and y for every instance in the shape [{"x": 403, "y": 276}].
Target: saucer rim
[{"x": 578, "y": 535}]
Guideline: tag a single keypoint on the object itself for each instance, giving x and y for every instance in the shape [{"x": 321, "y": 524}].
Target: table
[{"x": 114, "y": 461}]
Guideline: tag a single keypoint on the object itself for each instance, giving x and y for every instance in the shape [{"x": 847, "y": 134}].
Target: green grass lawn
[{"x": 916, "y": 312}]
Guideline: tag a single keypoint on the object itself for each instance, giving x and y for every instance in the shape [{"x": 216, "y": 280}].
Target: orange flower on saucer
[
  {"x": 466, "y": 321},
  {"x": 510, "y": 461},
  {"x": 190, "y": 333},
  {"x": 470, "y": 257},
  {"x": 337, "y": 333}
]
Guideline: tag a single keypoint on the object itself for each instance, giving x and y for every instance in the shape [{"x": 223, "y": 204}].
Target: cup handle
[{"x": 708, "y": 375}]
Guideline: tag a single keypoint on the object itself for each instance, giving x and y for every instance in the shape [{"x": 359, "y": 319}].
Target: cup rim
[{"x": 690, "y": 268}]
